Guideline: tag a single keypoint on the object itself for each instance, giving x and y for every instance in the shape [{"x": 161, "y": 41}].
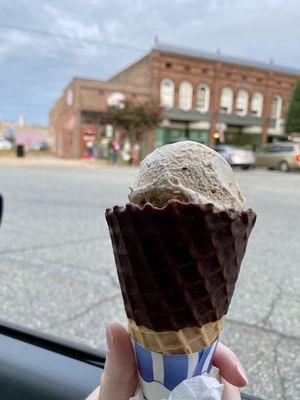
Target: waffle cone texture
[
  {"x": 184, "y": 341},
  {"x": 177, "y": 268}
]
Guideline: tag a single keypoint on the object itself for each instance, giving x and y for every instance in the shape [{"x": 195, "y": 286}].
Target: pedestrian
[
  {"x": 115, "y": 149},
  {"x": 135, "y": 154},
  {"x": 126, "y": 150}
]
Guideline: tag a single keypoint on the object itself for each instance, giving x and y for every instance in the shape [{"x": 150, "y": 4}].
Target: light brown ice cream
[{"x": 189, "y": 172}]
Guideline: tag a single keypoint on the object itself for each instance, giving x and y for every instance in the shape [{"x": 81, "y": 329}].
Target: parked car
[
  {"x": 236, "y": 156},
  {"x": 284, "y": 156},
  {"x": 5, "y": 144},
  {"x": 39, "y": 146}
]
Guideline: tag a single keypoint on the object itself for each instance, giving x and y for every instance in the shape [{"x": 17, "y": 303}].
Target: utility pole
[
  {"x": 214, "y": 106},
  {"x": 266, "y": 111}
]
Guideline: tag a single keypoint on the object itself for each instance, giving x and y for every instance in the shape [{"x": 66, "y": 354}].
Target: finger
[
  {"x": 230, "y": 392},
  {"x": 119, "y": 379},
  {"x": 230, "y": 367}
]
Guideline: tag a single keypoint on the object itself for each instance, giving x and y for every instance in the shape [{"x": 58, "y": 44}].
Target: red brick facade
[
  {"x": 141, "y": 82},
  {"x": 80, "y": 96}
]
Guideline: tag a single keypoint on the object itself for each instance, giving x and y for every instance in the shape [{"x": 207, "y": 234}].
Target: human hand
[{"x": 119, "y": 379}]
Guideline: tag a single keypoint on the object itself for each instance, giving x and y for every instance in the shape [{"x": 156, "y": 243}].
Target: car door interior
[
  {"x": 36, "y": 366},
  {"x": 39, "y": 366}
]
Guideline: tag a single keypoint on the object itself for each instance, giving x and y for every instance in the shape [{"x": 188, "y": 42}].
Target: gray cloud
[{"x": 35, "y": 68}]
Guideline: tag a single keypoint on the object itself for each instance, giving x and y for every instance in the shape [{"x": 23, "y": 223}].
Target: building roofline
[
  {"x": 81, "y": 78},
  {"x": 192, "y": 52},
  {"x": 129, "y": 65},
  {"x": 17, "y": 124}
]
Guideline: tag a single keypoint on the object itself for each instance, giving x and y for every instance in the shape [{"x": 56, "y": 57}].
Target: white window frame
[
  {"x": 241, "y": 104},
  {"x": 257, "y": 104},
  {"x": 185, "y": 101},
  {"x": 276, "y": 112},
  {"x": 205, "y": 106},
  {"x": 167, "y": 94},
  {"x": 226, "y": 100}
]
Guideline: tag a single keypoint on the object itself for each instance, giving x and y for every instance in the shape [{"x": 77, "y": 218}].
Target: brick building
[
  {"x": 20, "y": 133},
  {"x": 203, "y": 96}
]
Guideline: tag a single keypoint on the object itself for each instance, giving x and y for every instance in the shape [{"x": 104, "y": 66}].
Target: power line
[{"x": 67, "y": 37}]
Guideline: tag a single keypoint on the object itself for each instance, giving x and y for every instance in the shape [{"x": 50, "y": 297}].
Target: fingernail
[
  {"x": 109, "y": 336},
  {"x": 242, "y": 373}
]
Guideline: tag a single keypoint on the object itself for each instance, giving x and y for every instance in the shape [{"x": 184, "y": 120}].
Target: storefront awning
[
  {"x": 176, "y": 114},
  {"x": 233, "y": 119}
]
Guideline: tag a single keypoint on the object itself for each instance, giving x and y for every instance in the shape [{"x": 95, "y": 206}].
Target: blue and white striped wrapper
[{"x": 160, "y": 373}]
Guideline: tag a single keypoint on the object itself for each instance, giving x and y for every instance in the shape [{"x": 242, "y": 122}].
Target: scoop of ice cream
[{"x": 189, "y": 172}]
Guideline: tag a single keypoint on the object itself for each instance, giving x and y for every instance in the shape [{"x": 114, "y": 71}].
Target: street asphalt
[{"x": 58, "y": 273}]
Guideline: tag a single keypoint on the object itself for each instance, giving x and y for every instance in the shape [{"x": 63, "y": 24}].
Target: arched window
[
  {"x": 226, "y": 100},
  {"x": 257, "y": 103},
  {"x": 203, "y": 94},
  {"x": 185, "y": 95},
  {"x": 167, "y": 88},
  {"x": 276, "y": 107},
  {"x": 241, "y": 106}
]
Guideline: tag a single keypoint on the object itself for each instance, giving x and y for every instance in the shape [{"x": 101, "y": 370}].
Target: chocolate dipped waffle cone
[{"x": 177, "y": 268}]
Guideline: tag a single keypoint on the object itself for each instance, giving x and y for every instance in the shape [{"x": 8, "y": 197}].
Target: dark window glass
[
  {"x": 279, "y": 149},
  {"x": 270, "y": 149},
  {"x": 286, "y": 149},
  {"x": 168, "y": 65}
]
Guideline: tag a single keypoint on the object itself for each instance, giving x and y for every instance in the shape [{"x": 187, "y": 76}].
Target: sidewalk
[{"x": 49, "y": 160}]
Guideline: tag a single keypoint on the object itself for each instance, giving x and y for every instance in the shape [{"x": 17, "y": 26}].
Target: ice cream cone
[{"x": 178, "y": 263}]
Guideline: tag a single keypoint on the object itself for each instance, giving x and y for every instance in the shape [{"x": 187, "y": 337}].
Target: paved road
[{"x": 58, "y": 275}]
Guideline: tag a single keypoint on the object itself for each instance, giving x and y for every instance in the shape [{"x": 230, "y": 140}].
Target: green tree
[
  {"x": 134, "y": 119},
  {"x": 292, "y": 119}
]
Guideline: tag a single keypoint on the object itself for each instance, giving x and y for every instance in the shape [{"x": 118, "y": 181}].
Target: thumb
[
  {"x": 230, "y": 392},
  {"x": 119, "y": 379}
]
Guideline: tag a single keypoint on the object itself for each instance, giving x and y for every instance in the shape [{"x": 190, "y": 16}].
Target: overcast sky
[{"x": 35, "y": 68}]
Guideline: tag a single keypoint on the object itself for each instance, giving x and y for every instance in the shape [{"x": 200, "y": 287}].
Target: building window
[
  {"x": 185, "y": 95},
  {"x": 187, "y": 68},
  {"x": 168, "y": 65},
  {"x": 203, "y": 94},
  {"x": 226, "y": 100},
  {"x": 167, "y": 88},
  {"x": 204, "y": 71},
  {"x": 257, "y": 104},
  {"x": 276, "y": 107},
  {"x": 241, "y": 106},
  {"x": 228, "y": 74}
]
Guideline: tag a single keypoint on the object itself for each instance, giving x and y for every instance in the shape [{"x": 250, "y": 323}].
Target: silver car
[
  {"x": 5, "y": 144},
  {"x": 236, "y": 156},
  {"x": 284, "y": 156}
]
